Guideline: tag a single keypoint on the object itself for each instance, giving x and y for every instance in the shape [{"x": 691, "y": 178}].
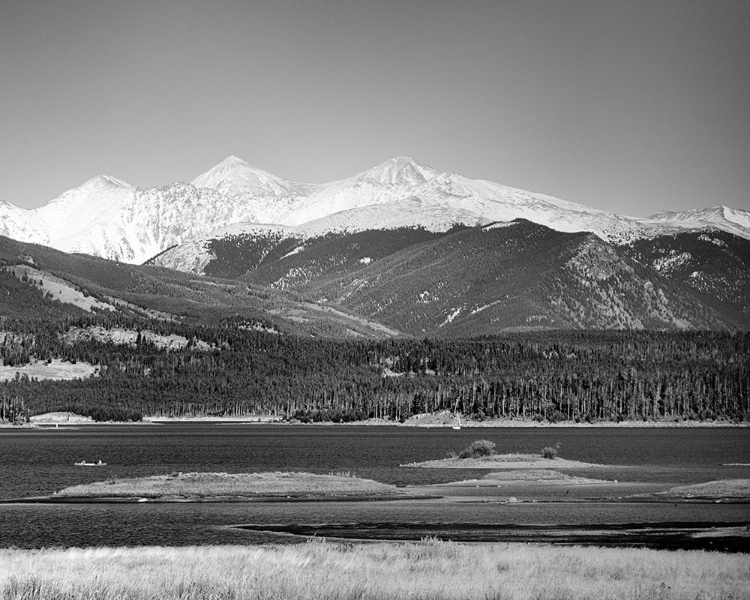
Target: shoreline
[
  {"x": 495, "y": 423},
  {"x": 428, "y": 421},
  {"x": 414, "y": 423}
]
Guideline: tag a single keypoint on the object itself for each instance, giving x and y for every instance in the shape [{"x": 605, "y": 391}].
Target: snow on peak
[
  {"x": 401, "y": 170},
  {"x": 738, "y": 216},
  {"x": 89, "y": 198},
  {"x": 107, "y": 217},
  {"x": 104, "y": 181},
  {"x": 228, "y": 167},
  {"x": 236, "y": 177},
  {"x": 233, "y": 160}
]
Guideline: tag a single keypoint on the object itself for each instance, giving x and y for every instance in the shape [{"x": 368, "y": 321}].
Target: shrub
[
  {"x": 477, "y": 449},
  {"x": 550, "y": 451}
]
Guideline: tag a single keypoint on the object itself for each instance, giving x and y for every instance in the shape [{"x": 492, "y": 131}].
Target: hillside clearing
[
  {"x": 56, "y": 369},
  {"x": 129, "y": 337},
  {"x": 58, "y": 288}
]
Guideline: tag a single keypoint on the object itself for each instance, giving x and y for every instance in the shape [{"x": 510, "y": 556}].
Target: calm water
[{"x": 39, "y": 462}]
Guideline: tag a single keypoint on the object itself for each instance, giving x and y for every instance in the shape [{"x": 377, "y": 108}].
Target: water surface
[{"x": 40, "y": 461}]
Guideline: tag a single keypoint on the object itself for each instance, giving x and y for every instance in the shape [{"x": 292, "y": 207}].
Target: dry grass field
[{"x": 380, "y": 571}]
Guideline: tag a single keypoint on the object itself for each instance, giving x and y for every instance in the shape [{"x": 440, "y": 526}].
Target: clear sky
[{"x": 626, "y": 105}]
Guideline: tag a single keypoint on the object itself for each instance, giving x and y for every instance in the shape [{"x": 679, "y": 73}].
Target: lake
[{"x": 35, "y": 462}]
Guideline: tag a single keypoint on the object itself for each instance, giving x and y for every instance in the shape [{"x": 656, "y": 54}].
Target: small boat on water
[{"x": 83, "y": 463}]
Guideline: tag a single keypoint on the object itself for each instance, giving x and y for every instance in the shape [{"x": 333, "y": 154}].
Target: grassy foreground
[
  {"x": 319, "y": 570},
  {"x": 213, "y": 485}
]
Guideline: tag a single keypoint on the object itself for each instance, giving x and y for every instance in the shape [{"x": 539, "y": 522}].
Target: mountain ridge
[{"x": 108, "y": 217}]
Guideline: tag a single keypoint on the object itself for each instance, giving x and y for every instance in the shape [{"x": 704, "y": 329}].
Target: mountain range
[
  {"x": 109, "y": 218},
  {"x": 406, "y": 247}
]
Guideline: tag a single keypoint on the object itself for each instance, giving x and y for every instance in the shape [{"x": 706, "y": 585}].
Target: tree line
[{"x": 552, "y": 375}]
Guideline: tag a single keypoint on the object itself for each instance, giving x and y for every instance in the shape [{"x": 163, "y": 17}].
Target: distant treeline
[{"x": 551, "y": 375}]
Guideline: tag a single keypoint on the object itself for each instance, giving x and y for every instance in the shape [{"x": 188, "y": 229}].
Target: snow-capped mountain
[
  {"x": 16, "y": 223},
  {"x": 110, "y": 218},
  {"x": 266, "y": 196},
  {"x": 404, "y": 192}
]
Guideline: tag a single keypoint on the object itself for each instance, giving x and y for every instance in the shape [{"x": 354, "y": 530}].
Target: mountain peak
[
  {"x": 402, "y": 161},
  {"x": 105, "y": 181},
  {"x": 235, "y": 176},
  {"x": 233, "y": 160},
  {"x": 399, "y": 171},
  {"x": 231, "y": 166}
]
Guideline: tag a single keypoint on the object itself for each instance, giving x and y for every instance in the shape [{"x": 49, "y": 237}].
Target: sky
[{"x": 628, "y": 106}]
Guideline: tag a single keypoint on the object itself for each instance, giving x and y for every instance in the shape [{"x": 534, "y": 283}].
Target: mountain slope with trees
[{"x": 251, "y": 350}]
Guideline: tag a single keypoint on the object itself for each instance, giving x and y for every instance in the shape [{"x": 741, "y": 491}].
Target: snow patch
[
  {"x": 297, "y": 250},
  {"x": 499, "y": 225},
  {"x": 712, "y": 240},
  {"x": 451, "y": 317},
  {"x": 479, "y": 309},
  {"x": 668, "y": 264}
]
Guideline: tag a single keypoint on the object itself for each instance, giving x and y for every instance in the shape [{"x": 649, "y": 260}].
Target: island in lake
[{"x": 199, "y": 487}]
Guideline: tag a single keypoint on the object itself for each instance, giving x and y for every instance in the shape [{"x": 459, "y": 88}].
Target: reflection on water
[{"x": 40, "y": 462}]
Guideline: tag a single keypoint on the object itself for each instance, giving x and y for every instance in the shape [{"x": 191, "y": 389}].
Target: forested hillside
[
  {"x": 486, "y": 280},
  {"x": 148, "y": 292},
  {"x": 471, "y": 281},
  {"x": 714, "y": 264},
  {"x": 225, "y": 370}
]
